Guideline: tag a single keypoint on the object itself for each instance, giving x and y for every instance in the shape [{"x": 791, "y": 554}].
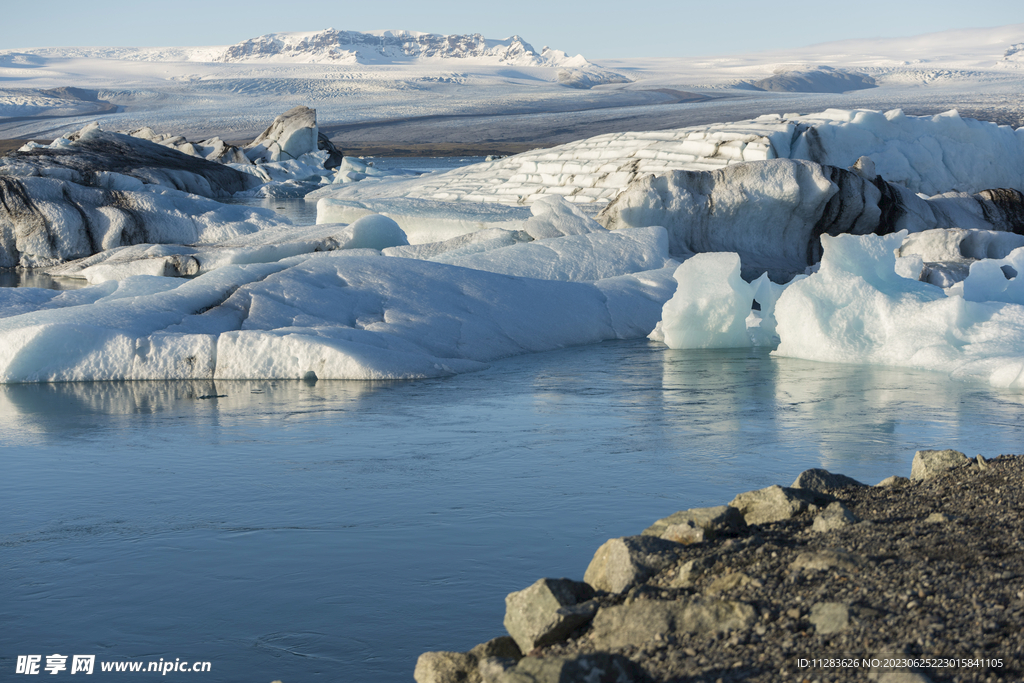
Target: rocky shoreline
[{"x": 911, "y": 580}]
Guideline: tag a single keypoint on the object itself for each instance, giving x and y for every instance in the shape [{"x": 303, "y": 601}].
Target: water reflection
[
  {"x": 11, "y": 277},
  {"x": 335, "y": 530}
]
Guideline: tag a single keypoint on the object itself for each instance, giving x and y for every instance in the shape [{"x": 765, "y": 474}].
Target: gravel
[{"x": 932, "y": 572}]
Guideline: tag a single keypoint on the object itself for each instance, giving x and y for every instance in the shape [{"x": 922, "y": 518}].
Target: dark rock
[{"x": 823, "y": 480}]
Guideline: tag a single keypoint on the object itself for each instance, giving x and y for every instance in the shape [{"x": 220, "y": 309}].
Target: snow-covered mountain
[
  {"x": 376, "y": 47},
  {"x": 329, "y": 46},
  {"x": 383, "y": 87}
]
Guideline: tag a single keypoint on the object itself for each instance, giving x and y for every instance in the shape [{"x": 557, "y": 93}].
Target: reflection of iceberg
[
  {"x": 29, "y": 408},
  {"x": 843, "y": 417}
]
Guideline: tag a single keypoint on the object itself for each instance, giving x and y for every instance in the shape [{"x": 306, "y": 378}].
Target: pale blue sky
[{"x": 597, "y": 29}]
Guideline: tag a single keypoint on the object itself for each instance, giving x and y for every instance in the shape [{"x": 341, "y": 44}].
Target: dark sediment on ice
[{"x": 917, "y": 579}]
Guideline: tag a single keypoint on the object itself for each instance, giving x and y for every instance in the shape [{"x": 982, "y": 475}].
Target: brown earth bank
[{"x": 911, "y": 580}]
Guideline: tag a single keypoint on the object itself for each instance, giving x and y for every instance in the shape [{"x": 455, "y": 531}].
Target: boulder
[
  {"x": 835, "y": 516},
  {"x": 893, "y": 481},
  {"x": 715, "y": 521},
  {"x": 621, "y": 563},
  {"x": 643, "y": 620},
  {"x": 928, "y": 464},
  {"x": 467, "y": 667},
  {"x": 686, "y": 533},
  {"x": 446, "y": 667},
  {"x": 547, "y": 612},
  {"x": 502, "y": 646},
  {"x": 829, "y": 617},
  {"x": 772, "y": 504},
  {"x": 823, "y": 480},
  {"x": 600, "y": 667}
]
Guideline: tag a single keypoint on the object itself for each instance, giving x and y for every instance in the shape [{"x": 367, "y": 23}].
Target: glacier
[{"x": 924, "y": 154}]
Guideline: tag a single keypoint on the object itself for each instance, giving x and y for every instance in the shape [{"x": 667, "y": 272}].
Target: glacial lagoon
[{"x": 335, "y": 530}]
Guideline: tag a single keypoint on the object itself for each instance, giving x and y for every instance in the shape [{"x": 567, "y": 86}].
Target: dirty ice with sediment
[{"x": 877, "y": 226}]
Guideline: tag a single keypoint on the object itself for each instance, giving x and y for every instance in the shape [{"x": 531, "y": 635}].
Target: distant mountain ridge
[
  {"x": 355, "y": 47},
  {"x": 329, "y": 46}
]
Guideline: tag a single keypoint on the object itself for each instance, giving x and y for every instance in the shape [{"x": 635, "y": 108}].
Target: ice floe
[
  {"x": 45, "y": 221},
  {"x": 341, "y": 314},
  {"x": 859, "y": 308},
  {"x": 114, "y": 161}
]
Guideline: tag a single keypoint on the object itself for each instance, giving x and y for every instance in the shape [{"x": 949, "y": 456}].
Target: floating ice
[
  {"x": 711, "y": 307},
  {"x": 426, "y": 221},
  {"x": 266, "y": 246},
  {"x": 291, "y": 135},
  {"x": 117, "y": 162},
  {"x": 340, "y": 314},
  {"x": 577, "y": 258},
  {"x": 943, "y": 257},
  {"x": 857, "y": 309}
]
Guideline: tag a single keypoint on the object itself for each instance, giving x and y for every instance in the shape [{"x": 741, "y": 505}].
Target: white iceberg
[
  {"x": 858, "y": 309},
  {"x": 339, "y": 315}
]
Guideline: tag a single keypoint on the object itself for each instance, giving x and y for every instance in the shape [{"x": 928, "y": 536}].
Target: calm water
[{"x": 333, "y": 531}]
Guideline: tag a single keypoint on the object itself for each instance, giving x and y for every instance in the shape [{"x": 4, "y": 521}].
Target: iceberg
[
  {"x": 858, "y": 309},
  {"x": 45, "y": 221},
  {"x": 93, "y": 157},
  {"x": 291, "y": 135},
  {"x": 773, "y": 212},
  {"x": 351, "y": 314},
  {"x": 266, "y": 246}
]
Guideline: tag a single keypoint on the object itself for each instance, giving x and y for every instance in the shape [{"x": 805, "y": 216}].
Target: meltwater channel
[{"x": 333, "y": 531}]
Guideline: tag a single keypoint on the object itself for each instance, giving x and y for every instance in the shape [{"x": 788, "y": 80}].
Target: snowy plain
[{"x": 473, "y": 97}]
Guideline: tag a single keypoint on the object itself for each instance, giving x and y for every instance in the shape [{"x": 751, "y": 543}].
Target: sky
[{"x": 596, "y": 29}]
